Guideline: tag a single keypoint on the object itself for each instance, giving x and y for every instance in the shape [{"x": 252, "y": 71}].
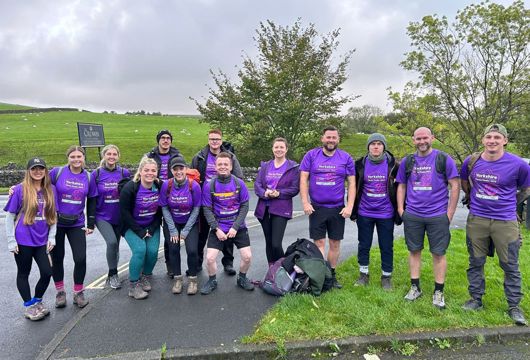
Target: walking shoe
[
  {"x": 42, "y": 309},
  {"x": 472, "y": 305},
  {"x": 413, "y": 293},
  {"x": 335, "y": 283},
  {"x": 60, "y": 299},
  {"x": 144, "y": 281},
  {"x": 244, "y": 283},
  {"x": 136, "y": 291},
  {"x": 80, "y": 300},
  {"x": 363, "y": 280},
  {"x": 177, "y": 286},
  {"x": 229, "y": 270},
  {"x": 169, "y": 271},
  {"x": 209, "y": 286},
  {"x": 516, "y": 314},
  {"x": 113, "y": 282},
  {"x": 32, "y": 313},
  {"x": 192, "y": 285},
  {"x": 438, "y": 299},
  {"x": 386, "y": 282}
]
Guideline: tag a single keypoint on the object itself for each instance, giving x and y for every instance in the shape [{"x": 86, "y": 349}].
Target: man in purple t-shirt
[
  {"x": 323, "y": 172},
  {"x": 490, "y": 180},
  {"x": 162, "y": 154},
  {"x": 423, "y": 178},
  {"x": 225, "y": 205}
]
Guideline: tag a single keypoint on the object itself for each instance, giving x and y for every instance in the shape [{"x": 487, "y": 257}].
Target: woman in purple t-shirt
[
  {"x": 141, "y": 218},
  {"x": 74, "y": 189},
  {"x": 276, "y": 184},
  {"x": 106, "y": 178},
  {"x": 30, "y": 228}
]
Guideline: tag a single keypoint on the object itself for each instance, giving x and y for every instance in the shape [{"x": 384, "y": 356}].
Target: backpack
[
  {"x": 214, "y": 179},
  {"x": 440, "y": 164},
  {"x": 191, "y": 174},
  {"x": 227, "y": 146},
  {"x": 58, "y": 174},
  {"x": 277, "y": 281},
  {"x": 466, "y": 200}
]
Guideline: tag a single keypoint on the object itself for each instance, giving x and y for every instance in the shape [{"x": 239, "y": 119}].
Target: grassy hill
[{"x": 4, "y": 106}]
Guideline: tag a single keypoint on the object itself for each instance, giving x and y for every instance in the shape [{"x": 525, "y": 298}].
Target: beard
[{"x": 330, "y": 147}]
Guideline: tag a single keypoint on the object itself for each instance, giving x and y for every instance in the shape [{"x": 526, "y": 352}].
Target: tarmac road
[{"x": 114, "y": 323}]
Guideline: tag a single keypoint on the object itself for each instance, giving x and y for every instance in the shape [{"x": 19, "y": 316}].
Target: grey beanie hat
[{"x": 376, "y": 137}]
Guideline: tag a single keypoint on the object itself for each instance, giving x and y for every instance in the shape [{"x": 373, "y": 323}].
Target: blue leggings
[{"x": 144, "y": 253}]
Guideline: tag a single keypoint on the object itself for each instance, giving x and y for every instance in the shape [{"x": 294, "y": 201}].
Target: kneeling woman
[
  {"x": 180, "y": 199},
  {"x": 30, "y": 228},
  {"x": 141, "y": 219}
]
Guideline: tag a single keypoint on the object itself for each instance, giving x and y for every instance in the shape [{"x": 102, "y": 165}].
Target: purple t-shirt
[
  {"x": 210, "y": 167},
  {"x": 146, "y": 205},
  {"x": 427, "y": 193},
  {"x": 327, "y": 175},
  {"x": 375, "y": 200},
  {"x": 108, "y": 200},
  {"x": 180, "y": 201},
  {"x": 29, "y": 235},
  {"x": 162, "y": 174},
  {"x": 226, "y": 201},
  {"x": 72, "y": 191},
  {"x": 274, "y": 174},
  {"x": 495, "y": 184}
]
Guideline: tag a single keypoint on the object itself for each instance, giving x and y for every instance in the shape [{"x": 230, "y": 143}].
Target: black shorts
[
  {"x": 241, "y": 240},
  {"x": 326, "y": 220}
]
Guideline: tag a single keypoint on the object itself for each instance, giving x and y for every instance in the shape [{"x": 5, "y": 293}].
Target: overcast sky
[{"x": 153, "y": 55}]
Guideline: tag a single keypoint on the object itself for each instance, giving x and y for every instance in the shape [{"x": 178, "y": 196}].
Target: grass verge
[{"x": 355, "y": 311}]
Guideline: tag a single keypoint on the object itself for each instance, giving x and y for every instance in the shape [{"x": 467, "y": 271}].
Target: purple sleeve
[
  {"x": 55, "y": 196},
  {"x": 196, "y": 194},
  {"x": 163, "y": 194},
  {"x": 243, "y": 195},
  {"x": 401, "y": 176},
  {"x": 259, "y": 189},
  {"x": 92, "y": 182},
  {"x": 305, "y": 165},
  {"x": 92, "y": 187},
  {"x": 450, "y": 168},
  {"x": 206, "y": 196},
  {"x": 523, "y": 180},
  {"x": 126, "y": 173},
  {"x": 463, "y": 171},
  {"x": 53, "y": 174},
  {"x": 350, "y": 167},
  {"x": 14, "y": 203}
]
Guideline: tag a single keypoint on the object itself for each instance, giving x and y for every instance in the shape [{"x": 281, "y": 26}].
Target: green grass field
[
  {"x": 4, "y": 106},
  {"x": 369, "y": 310}
]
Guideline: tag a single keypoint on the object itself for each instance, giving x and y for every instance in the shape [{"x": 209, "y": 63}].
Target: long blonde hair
[
  {"x": 29, "y": 199},
  {"x": 145, "y": 161},
  {"x": 108, "y": 147}
]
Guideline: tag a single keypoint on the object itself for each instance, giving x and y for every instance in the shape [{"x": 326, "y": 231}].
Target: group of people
[{"x": 205, "y": 203}]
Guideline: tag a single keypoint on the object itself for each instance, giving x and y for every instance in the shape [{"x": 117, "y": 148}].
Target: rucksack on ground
[{"x": 277, "y": 281}]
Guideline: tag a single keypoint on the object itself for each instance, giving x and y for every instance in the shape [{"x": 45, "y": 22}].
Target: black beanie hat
[{"x": 163, "y": 132}]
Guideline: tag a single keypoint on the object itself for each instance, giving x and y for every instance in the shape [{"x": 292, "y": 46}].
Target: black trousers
[
  {"x": 191, "y": 244},
  {"x": 228, "y": 248},
  {"x": 273, "y": 229},
  {"x": 77, "y": 239},
  {"x": 24, "y": 259}
]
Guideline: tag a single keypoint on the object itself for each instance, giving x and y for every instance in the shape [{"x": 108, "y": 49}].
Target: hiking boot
[
  {"x": 177, "y": 286},
  {"x": 169, "y": 271},
  {"x": 42, "y": 309},
  {"x": 136, "y": 291},
  {"x": 32, "y": 313},
  {"x": 438, "y": 299},
  {"x": 192, "y": 285},
  {"x": 144, "y": 281},
  {"x": 80, "y": 300},
  {"x": 229, "y": 270},
  {"x": 209, "y": 286},
  {"x": 413, "y": 293},
  {"x": 363, "y": 280},
  {"x": 386, "y": 283},
  {"x": 113, "y": 281},
  {"x": 516, "y": 314},
  {"x": 245, "y": 283},
  {"x": 335, "y": 283},
  {"x": 473, "y": 305},
  {"x": 60, "y": 299}
]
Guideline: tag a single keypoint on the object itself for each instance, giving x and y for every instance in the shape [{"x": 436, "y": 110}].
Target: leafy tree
[
  {"x": 473, "y": 72},
  {"x": 362, "y": 119},
  {"x": 290, "y": 89}
]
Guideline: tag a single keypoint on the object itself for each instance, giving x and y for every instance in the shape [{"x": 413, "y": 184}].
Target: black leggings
[
  {"x": 192, "y": 247},
  {"x": 77, "y": 239},
  {"x": 24, "y": 259},
  {"x": 273, "y": 229}
]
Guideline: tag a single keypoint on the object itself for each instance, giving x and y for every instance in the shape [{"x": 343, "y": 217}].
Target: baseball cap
[{"x": 35, "y": 162}]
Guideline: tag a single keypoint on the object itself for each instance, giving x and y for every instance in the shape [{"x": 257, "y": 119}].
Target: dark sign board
[{"x": 91, "y": 135}]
